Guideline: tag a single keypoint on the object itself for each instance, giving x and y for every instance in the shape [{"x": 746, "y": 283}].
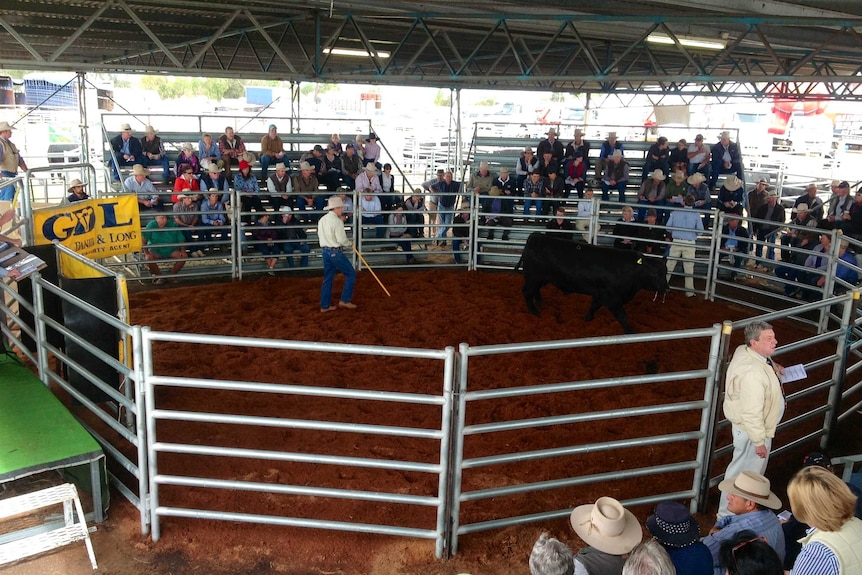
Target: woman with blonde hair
[{"x": 833, "y": 545}]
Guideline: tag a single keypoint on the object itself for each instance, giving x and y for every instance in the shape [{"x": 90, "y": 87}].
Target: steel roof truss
[
  {"x": 143, "y": 26},
  {"x": 269, "y": 40},
  {"x": 397, "y": 50},
  {"x": 590, "y": 56},
  {"x": 682, "y": 48},
  {"x": 81, "y": 29},
  {"x": 479, "y": 46},
  {"x": 20, "y": 39},
  {"x": 331, "y": 42},
  {"x": 212, "y": 40},
  {"x": 551, "y": 42},
  {"x": 631, "y": 47},
  {"x": 512, "y": 47},
  {"x": 369, "y": 48}
]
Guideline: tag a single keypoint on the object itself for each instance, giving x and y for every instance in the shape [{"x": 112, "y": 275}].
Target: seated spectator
[
  {"x": 816, "y": 267},
  {"x": 332, "y": 167},
  {"x": 575, "y": 175},
  {"x": 554, "y": 192},
  {"x": 734, "y": 244},
  {"x": 213, "y": 216},
  {"x": 678, "y": 532},
  {"x": 231, "y": 148},
  {"x": 752, "y": 504},
  {"x": 214, "y": 178},
  {"x": 372, "y": 215},
  {"x": 162, "y": 240},
  {"x": 550, "y": 557},
  {"x": 730, "y": 198},
  {"x": 368, "y": 180},
  {"x": 126, "y": 150},
  {"x": 795, "y": 530},
  {"x": 76, "y": 192},
  {"x": 610, "y": 531},
  {"x": 653, "y": 192},
  {"x": 293, "y": 237},
  {"x": 480, "y": 184},
  {"x": 746, "y": 553},
  {"x": 845, "y": 272},
  {"x": 350, "y": 166},
  {"x": 264, "y": 236},
  {"x": 397, "y": 231},
  {"x": 139, "y": 184},
  {"x": 534, "y": 189},
  {"x": 346, "y": 197},
  {"x": 649, "y": 558},
  {"x": 771, "y": 211},
  {"x": 608, "y": 148},
  {"x": 585, "y": 211},
  {"x": 248, "y": 189},
  {"x": 186, "y": 219},
  {"x": 560, "y": 226},
  {"x": 280, "y": 188},
  {"x": 335, "y": 144},
  {"x": 371, "y": 151},
  {"x": 854, "y": 227},
  {"x": 657, "y": 158},
  {"x": 838, "y": 214},
  {"x": 702, "y": 196},
  {"x": 726, "y": 159},
  {"x": 495, "y": 215},
  {"x": 810, "y": 199},
  {"x": 548, "y": 163},
  {"x": 833, "y": 545},
  {"x": 208, "y": 150},
  {"x": 315, "y": 160},
  {"x": 388, "y": 195},
  {"x": 154, "y": 153},
  {"x": 801, "y": 216},
  {"x": 757, "y": 197},
  {"x": 527, "y": 164},
  {"x": 507, "y": 187},
  {"x": 186, "y": 180},
  {"x": 677, "y": 188},
  {"x": 271, "y": 150},
  {"x": 804, "y": 242},
  {"x": 653, "y": 235},
  {"x": 415, "y": 208},
  {"x": 625, "y": 231},
  {"x": 187, "y": 156},
  {"x": 305, "y": 184},
  {"x": 616, "y": 176},
  {"x": 461, "y": 231},
  {"x": 699, "y": 157},
  {"x": 678, "y": 158}
]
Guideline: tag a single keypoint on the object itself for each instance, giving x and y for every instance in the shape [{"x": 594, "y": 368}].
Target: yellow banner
[{"x": 96, "y": 228}]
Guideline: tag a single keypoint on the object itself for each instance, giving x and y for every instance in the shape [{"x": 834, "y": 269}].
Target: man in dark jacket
[
  {"x": 734, "y": 244},
  {"x": 127, "y": 150},
  {"x": 771, "y": 211}
]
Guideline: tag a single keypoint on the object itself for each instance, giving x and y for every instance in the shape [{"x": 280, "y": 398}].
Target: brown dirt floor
[{"x": 427, "y": 310}]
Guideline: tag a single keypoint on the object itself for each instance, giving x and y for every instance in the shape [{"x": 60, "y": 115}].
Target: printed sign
[{"x": 96, "y": 228}]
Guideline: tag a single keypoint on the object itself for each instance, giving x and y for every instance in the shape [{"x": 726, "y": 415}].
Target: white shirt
[{"x": 330, "y": 232}]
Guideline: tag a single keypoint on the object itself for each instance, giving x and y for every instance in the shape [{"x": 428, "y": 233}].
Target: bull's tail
[{"x": 518, "y": 265}]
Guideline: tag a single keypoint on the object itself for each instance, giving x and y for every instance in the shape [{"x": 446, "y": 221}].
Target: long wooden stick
[{"x": 365, "y": 263}]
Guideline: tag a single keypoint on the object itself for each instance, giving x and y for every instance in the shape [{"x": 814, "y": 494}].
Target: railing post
[
  {"x": 150, "y": 403},
  {"x": 456, "y": 453},
  {"x": 448, "y": 427},
  {"x": 839, "y": 368},
  {"x": 712, "y": 419},
  {"x": 41, "y": 330},
  {"x": 140, "y": 369}
]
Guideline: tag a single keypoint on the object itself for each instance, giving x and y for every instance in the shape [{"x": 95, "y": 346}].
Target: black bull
[{"x": 611, "y": 276}]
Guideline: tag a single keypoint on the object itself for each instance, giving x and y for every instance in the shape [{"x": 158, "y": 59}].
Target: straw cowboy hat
[
  {"x": 371, "y": 168},
  {"x": 803, "y": 207},
  {"x": 678, "y": 175},
  {"x": 732, "y": 183},
  {"x": 494, "y": 191},
  {"x": 725, "y": 135},
  {"x": 612, "y": 135},
  {"x": 139, "y": 170},
  {"x": 150, "y": 130},
  {"x": 74, "y": 183},
  {"x": 334, "y": 202},
  {"x": 657, "y": 175},
  {"x": 305, "y": 166},
  {"x": 607, "y": 526},
  {"x": 752, "y": 486},
  {"x": 5, "y": 127},
  {"x": 551, "y": 131},
  {"x": 672, "y": 525},
  {"x": 287, "y": 209},
  {"x": 617, "y": 155},
  {"x": 125, "y": 127},
  {"x": 280, "y": 166},
  {"x": 696, "y": 179},
  {"x": 484, "y": 166}
]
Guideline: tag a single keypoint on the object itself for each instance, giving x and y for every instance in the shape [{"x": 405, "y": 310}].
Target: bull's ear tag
[{"x": 640, "y": 261}]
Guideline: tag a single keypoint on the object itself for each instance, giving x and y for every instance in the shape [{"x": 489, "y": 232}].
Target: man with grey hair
[
  {"x": 551, "y": 557},
  {"x": 649, "y": 558},
  {"x": 753, "y": 402}
]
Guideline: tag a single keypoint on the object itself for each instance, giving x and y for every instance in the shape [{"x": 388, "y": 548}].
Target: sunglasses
[{"x": 743, "y": 544}]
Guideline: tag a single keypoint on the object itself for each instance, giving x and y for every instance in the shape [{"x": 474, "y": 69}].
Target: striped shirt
[{"x": 815, "y": 559}]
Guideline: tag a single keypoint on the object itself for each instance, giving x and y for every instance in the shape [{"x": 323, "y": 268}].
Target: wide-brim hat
[
  {"x": 484, "y": 166},
  {"x": 803, "y": 207},
  {"x": 678, "y": 175},
  {"x": 286, "y": 209},
  {"x": 280, "y": 166},
  {"x": 607, "y": 526},
  {"x": 578, "y": 132},
  {"x": 551, "y": 131},
  {"x": 140, "y": 170},
  {"x": 371, "y": 168},
  {"x": 772, "y": 194},
  {"x": 672, "y": 525},
  {"x": 494, "y": 191},
  {"x": 724, "y": 135},
  {"x": 657, "y": 175},
  {"x": 752, "y": 486},
  {"x": 732, "y": 183},
  {"x": 371, "y": 136},
  {"x": 214, "y": 168},
  {"x": 4, "y": 126},
  {"x": 612, "y": 135},
  {"x": 305, "y": 166},
  {"x": 334, "y": 202},
  {"x": 617, "y": 154},
  {"x": 696, "y": 179},
  {"x": 125, "y": 127},
  {"x": 528, "y": 150},
  {"x": 150, "y": 130},
  {"x": 188, "y": 147},
  {"x": 75, "y": 183}
]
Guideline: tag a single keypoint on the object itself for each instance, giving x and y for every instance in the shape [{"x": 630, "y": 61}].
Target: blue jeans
[
  {"x": 334, "y": 260},
  {"x": 770, "y": 249},
  {"x": 445, "y": 220},
  {"x": 7, "y": 193},
  {"x": 529, "y": 201},
  {"x": 165, "y": 163},
  {"x": 265, "y": 161},
  {"x": 302, "y": 248},
  {"x": 620, "y": 187}
]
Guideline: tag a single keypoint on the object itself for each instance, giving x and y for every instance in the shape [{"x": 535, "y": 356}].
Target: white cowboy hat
[
  {"x": 281, "y": 166},
  {"x": 5, "y": 127},
  {"x": 149, "y": 130},
  {"x": 803, "y": 207},
  {"x": 334, "y": 202},
  {"x": 483, "y": 166},
  {"x": 607, "y": 526},
  {"x": 74, "y": 183},
  {"x": 286, "y": 209},
  {"x": 657, "y": 175},
  {"x": 125, "y": 128},
  {"x": 732, "y": 183},
  {"x": 139, "y": 170},
  {"x": 371, "y": 168},
  {"x": 551, "y": 131},
  {"x": 612, "y": 135},
  {"x": 696, "y": 179},
  {"x": 725, "y": 135},
  {"x": 617, "y": 154},
  {"x": 305, "y": 166},
  {"x": 752, "y": 486},
  {"x": 678, "y": 175}
]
